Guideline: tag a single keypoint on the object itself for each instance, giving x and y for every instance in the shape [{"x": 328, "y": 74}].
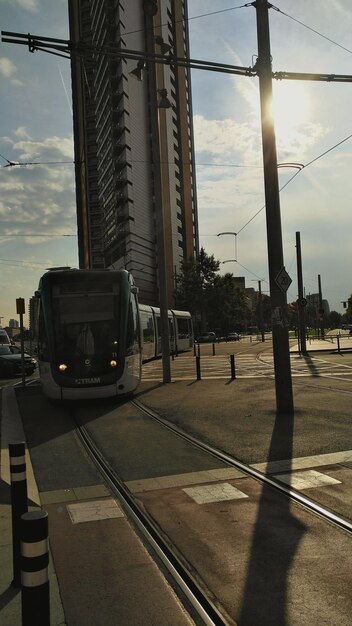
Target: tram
[{"x": 92, "y": 334}]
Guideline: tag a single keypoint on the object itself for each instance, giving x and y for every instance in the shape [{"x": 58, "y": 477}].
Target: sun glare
[{"x": 290, "y": 107}]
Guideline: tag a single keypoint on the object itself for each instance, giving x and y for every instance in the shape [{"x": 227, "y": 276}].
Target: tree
[
  {"x": 215, "y": 301},
  {"x": 348, "y": 313},
  {"x": 334, "y": 319},
  {"x": 226, "y": 304},
  {"x": 196, "y": 275}
]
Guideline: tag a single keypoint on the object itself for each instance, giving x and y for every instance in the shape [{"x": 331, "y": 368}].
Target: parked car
[
  {"x": 4, "y": 338},
  {"x": 232, "y": 337},
  {"x": 11, "y": 361},
  {"x": 207, "y": 338}
]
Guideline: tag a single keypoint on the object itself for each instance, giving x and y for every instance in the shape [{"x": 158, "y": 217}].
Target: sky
[{"x": 312, "y": 126}]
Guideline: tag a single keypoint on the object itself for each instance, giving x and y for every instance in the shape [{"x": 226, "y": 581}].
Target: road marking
[
  {"x": 214, "y": 493},
  {"x": 303, "y": 462},
  {"x": 179, "y": 480},
  {"x": 307, "y": 480},
  {"x": 81, "y": 512}
]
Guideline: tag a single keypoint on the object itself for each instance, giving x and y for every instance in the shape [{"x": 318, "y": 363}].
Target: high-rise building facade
[{"x": 135, "y": 173}]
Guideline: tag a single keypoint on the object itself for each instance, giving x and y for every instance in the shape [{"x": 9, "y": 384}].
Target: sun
[{"x": 290, "y": 107}]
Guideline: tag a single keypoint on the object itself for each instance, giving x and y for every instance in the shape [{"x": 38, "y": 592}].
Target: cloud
[
  {"x": 38, "y": 199},
  {"x": 8, "y": 70},
  {"x": 28, "y": 5}
]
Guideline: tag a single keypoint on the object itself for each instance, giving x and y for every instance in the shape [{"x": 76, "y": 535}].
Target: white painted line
[
  {"x": 214, "y": 493},
  {"x": 307, "y": 480},
  {"x": 303, "y": 462},
  {"x": 94, "y": 511},
  {"x": 179, "y": 480}
]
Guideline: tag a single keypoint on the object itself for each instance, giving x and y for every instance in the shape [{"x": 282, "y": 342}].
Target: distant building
[
  {"x": 240, "y": 281},
  {"x": 134, "y": 149},
  {"x": 313, "y": 304}
]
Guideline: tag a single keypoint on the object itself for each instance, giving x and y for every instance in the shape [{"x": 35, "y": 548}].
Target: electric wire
[
  {"x": 313, "y": 30},
  {"x": 294, "y": 176}
]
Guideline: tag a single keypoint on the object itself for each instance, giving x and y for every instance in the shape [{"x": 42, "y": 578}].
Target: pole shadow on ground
[{"x": 276, "y": 536}]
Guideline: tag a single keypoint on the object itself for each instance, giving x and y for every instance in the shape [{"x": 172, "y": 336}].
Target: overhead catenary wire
[
  {"x": 303, "y": 167},
  {"x": 313, "y": 30}
]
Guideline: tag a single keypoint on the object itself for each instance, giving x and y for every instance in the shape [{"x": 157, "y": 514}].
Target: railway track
[{"x": 208, "y": 609}]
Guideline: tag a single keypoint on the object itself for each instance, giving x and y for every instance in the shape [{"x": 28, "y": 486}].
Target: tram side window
[
  {"x": 183, "y": 326},
  {"x": 132, "y": 335},
  {"x": 147, "y": 327}
]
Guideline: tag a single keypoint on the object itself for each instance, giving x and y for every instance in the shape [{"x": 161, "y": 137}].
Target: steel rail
[
  {"x": 200, "y": 602},
  {"x": 305, "y": 502}
]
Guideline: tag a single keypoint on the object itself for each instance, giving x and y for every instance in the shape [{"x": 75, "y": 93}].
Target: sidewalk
[
  {"x": 330, "y": 343},
  {"x": 10, "y": 596},
  {"x": 100, "y": 572}
]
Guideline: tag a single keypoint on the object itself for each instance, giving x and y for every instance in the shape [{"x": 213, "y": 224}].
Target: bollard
[
  {"x": 233, "y": 369},
  {"x": 194, "y": 349},
  {"x": 198, "y": 367},
  {"x": 34, "y": 569},
  {"x": 338, "y": 344},
  {"x": 213, "y": 349},
  {"x": 18, "y": 503},
  {"x": 198, "y": 350}
]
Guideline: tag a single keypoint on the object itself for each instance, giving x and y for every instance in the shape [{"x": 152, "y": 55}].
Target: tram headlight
[
  {"x": 113, "y": 363},
  {"x": 62, "y": 367}
]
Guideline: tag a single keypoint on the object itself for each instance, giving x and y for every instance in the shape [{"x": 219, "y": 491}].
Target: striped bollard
[
  {"x": 233, "y": 367},
  {"x": 198, "y": 367},
  {"x": 18, "y": 503},
  {"x": 34, "y": 569}
]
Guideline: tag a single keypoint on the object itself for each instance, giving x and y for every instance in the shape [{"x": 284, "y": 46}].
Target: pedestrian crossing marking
[{"x": 246, "y": 366}]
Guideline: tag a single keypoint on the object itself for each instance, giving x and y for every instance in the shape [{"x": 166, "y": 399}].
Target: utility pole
[
  {"x": 150, "y": 9},
  {"x": 301, "y": 299},
  {"x": 279, "y": 279},
  {"x": 261, "y": 325},
  {"x": 321, "y": 310}
]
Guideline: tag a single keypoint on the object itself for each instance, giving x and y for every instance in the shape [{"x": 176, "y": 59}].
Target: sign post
[{"x": 20, "y": 308}]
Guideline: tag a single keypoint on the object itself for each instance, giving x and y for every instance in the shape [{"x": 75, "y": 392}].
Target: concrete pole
[
  {"x": 281, "y": 350},
  {"x": 321, "y": 310},
  {"x": 301, "y": 304},
  {"x": 150, "y": 10}
]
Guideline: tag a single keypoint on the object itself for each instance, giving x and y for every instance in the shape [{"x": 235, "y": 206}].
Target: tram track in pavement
[
  {"x": 274, "y": 483},
  {"x": 182, "y": 569},
  {"x": 200, "y": 601}
]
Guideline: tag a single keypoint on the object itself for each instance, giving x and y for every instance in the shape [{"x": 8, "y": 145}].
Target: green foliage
[
  {"x": 334, "y": 319},
  {"x": 191, "y": 283},
  {"x": 349, "y": 309},
  {"x": 215, "y": 300}
]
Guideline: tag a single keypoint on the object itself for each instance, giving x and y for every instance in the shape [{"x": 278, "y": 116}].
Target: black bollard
[
  {"x": 213, "y": 349},
  {"x": 198, "y": 367},
  {"x": 19, "y": 504},
  {"x": 34, "y": 569},
  {"x": 233, "y": 369}
]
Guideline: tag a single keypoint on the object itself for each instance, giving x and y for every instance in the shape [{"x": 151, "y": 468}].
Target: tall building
[{"x": 135, "y": 173}]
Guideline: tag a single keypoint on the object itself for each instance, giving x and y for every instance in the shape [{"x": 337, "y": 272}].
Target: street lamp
[{"x": 235, "y": 235}]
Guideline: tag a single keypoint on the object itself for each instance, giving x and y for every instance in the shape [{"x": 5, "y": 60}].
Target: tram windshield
[{"x": 85, "y": 325}]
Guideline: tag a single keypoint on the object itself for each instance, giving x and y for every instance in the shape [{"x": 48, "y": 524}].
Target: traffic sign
[{"x": 283, "y": 280}]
